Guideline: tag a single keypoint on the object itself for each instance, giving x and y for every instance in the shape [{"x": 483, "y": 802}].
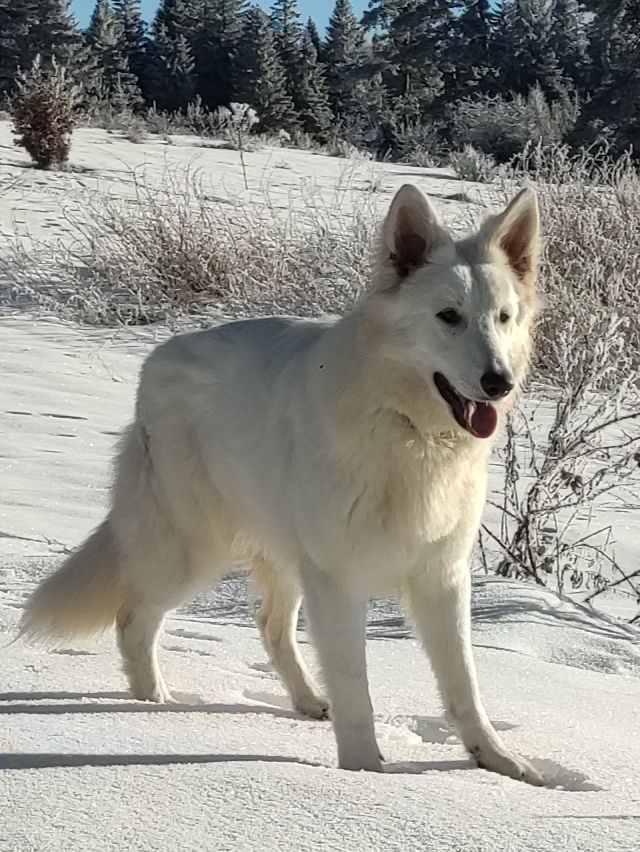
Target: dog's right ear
[{"x": 411, "y": 231}]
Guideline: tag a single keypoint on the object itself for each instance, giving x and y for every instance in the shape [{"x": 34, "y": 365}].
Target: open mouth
[{"x": 480, "y": 419}]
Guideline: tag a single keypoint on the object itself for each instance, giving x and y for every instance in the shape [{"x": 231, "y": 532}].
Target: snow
[
  {"x": 40, "y": 206},
  {"x": 85, "y": 767}
]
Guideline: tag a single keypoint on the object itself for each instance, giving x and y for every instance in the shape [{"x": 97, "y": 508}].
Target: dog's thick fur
[{"x": 324, "y": 452}]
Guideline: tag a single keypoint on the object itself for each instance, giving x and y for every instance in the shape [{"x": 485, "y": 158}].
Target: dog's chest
[{"x": 410, "y": 504}]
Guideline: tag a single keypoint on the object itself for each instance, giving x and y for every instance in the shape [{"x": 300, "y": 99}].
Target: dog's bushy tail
[{"x": 82, "y": 597}]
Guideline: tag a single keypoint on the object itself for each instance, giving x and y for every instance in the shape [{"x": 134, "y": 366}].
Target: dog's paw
[
  {"x": 507, "y": 763},
  {"x": 314, "y": 707},
  {"x": 363, "y": 757},
  {"x": 356, "y": 763},
  {"x": 157, "y": 695}
]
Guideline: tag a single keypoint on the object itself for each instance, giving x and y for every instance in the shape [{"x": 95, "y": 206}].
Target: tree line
[{"x": 424, "y": 72}]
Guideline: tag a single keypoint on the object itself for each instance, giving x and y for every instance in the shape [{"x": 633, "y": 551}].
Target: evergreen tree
[
  {"x": 133, "y": 42},
  {"x": 569, "y": 39},
  {"x": 172, "y": 83},
  {"x": 613, "y": 111},
  {"x": 285, "y": 21},
  {"x": 261, "y": 81},
  {"x": 312, "y": 94},
  {"x": 370, "y": 122},
  {"x": 312, "y": 31},
  {"x": 15, "y": 48},
  {"x": 527, "y": 49},
  {"x": 344, "y": 55},
  {"x": 215, "y": 47},
  {"x": 176, "y": 18},
  {"x": 411, "y": 43},
  {"x": 36, "y": 27},
  {"x": 112, "y": 80},
  {"x": 472, "y": 48},
  {"x": 54, "y": 33}
]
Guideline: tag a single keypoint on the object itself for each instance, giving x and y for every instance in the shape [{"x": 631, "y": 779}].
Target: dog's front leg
[
  {"x": 337, "y": 620},
  {"x": 441, "y": 605}
]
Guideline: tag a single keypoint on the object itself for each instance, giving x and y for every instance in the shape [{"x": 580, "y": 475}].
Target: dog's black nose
[{"x": 497, "y": 385}]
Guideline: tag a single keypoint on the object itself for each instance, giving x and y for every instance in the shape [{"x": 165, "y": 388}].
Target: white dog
[{"x": 343, "y": 458}]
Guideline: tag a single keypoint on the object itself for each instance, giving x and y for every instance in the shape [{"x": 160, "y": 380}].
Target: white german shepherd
[{"x": 345, "y": 458}]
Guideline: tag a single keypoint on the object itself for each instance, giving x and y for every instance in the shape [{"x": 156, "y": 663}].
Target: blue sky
[{"x": 319, "y": 10}]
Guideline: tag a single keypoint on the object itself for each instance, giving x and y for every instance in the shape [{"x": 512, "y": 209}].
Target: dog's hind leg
[
  {"x": 170, "y": 568},
  {"x": 139, "y": 620},
  {"x": 138, "y": 628},
  {"x": 277, "y": 620},
  {"x": 171, "y": 542}
]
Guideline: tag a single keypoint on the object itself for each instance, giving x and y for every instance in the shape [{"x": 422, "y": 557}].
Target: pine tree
[
  {"x": 176, "y": 18},
  {"x": 312, "y": 31},
  {"x": 312, "y": 94},
  {"x": 15, "y": 47},
  {"x": 36, "y": 27},
  {"x": 471, "y": 48},
  {"x": 527, "y": 50},
  {"x": 215, "y": 46},
  {"x": 113, "y": 80},
  {"x": 569, "y": 39},
  {"x": 172, "y": 72},
  {"x": 344, "y": 55},
  {"x": 261, "y": 81},
  {"x": 133, "y": 42},
  {"x": 614, "y": 107},
  {"x": 411, "y": 44},
  {"x": 369, "y": 122},
  {"x": 285, "y": 20},
  {"x": 54, "y": 33}
]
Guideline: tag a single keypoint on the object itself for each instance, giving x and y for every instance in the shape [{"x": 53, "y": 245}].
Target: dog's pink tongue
[{"x": 481, "y": 418}]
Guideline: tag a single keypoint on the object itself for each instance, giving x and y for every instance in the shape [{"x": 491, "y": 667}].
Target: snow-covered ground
[
  {"x": 85, "y": 767},
  {"x": 38, "y": 205}
]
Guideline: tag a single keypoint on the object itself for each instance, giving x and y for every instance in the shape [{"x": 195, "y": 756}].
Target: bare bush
[
  {"x": 563, "y": 464},
  {"x": 42, "y": 111},
  {"x": 136, "y": 132},
  {"x": 172, "y": 253},
  {"x": 237, "y": 120},
  {"x": 338, "y": 147},
  {"x": 418, "y": 144},
  {"x": 503, "y": 125},
  {"x": 561, "y": 471},
  {"x": 196, "y": 119},
  {"x": 473, "y": 165},
  {"x": 591, "y": 259}
]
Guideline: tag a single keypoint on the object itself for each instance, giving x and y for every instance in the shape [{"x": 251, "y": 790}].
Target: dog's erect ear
[
  {"x": 517, "y": 232},
  {"x": 411, "y": 230}
]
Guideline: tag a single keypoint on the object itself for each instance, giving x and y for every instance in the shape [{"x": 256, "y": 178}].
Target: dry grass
[
  {"x": 176, "y": 250},
  {"x": 172, "y": 253},
  {"x": 591, "y": 259}
]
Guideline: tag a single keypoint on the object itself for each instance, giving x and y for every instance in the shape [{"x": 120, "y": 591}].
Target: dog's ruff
[{"x": 341, "y": 457}]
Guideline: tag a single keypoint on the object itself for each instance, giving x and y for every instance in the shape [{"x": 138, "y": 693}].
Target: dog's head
[{"x": 459, "y": 312}]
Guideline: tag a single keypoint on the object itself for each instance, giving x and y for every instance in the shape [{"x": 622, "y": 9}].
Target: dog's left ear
[
  {"x": 411, "y": 230},
  {"x": 517, "y": 232}
]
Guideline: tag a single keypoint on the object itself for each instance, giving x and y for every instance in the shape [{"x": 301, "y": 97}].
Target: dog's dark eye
[
  {"x": 504, "y": 317},
  {"x": 450, "y": 317}
]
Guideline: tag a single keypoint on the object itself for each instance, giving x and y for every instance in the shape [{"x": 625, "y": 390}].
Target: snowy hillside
[{"x": 84, "y": 767}]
